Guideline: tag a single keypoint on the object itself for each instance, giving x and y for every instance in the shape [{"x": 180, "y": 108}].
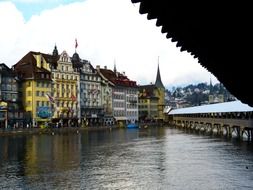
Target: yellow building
[
  {"x": 49, "y": 86},
  {"x": 152, "y": 100},
  {"x": 3, "y": 114},
  {"x": 148, "y": 109},
  {"x": 66, "y": 80},
  {"x": 34, "y": 71}
]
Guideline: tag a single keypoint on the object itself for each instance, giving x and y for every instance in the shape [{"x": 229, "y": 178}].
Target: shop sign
[{"x": 44, "y": 112}]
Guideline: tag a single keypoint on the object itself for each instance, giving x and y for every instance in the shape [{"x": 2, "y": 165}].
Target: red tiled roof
[{"x": 117, "y": 78}]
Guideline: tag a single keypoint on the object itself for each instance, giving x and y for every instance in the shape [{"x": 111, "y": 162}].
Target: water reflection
[{"x": 158, "y": 158}]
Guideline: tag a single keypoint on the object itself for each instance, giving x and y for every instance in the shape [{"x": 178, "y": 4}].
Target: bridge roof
[
  {"x": 212, "y": 32},
  {"x": 235, "y": 106}
]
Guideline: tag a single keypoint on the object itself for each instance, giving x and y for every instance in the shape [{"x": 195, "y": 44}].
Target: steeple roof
[
  {"x": 158, "y": 82},
  {"x": 55, "y": 52}
]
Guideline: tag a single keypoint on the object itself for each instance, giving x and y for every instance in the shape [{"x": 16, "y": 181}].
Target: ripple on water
[{"x": 159, "y": 158}]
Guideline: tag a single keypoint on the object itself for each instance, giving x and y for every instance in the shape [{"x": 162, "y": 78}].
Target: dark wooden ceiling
[{"x": 218, "y": 34}]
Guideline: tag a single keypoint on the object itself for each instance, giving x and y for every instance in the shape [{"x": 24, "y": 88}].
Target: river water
[{"x": 157, "y": 158}]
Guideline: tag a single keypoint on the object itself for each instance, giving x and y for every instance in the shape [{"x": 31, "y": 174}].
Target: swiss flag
[{"x": 50, "y": 98}]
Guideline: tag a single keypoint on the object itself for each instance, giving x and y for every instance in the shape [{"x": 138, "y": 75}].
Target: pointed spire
[
  {"x": 158, "y": 82},
  {"x": 114, "y": 69},
  {"x": 55, "y": 51},
  {"x": 211, "y": 86}
]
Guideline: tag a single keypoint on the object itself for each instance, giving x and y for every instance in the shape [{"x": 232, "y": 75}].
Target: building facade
[
  {"x": 148, "y": 103},
  {"x": 66, "y": 100},
  {"x": 124, "y": 96},
  {"x": 33, "y": 70},
  {"x": 90, "y": 95},
  {"x": 11, "y": 109},
  {"x": 152, "y": 100},
  {"x": 106, "y": 98}
]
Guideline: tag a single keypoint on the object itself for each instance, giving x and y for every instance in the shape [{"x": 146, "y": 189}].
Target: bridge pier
[
  {"x": 228, "y": 127},
  {"x": 209, "y": 128},
  {"x": 237, "y": 131},
  {"x": 228, "y": 130},
  {"x": 249, "y": 133}
]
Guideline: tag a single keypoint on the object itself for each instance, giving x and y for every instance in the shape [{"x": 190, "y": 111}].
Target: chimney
[
  {"x": 98, "y": 67},
  {"x": 105, "y": 67}
]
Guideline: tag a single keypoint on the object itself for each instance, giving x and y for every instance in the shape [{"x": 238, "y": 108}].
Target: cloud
[
  {"x": 106, "y": 31},
  {"x": 37, "y": 1},
  {"x": 11, "y": 22}
]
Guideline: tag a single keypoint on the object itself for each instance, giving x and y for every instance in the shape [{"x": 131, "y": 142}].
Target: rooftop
[{"x": 234, "y": 106}]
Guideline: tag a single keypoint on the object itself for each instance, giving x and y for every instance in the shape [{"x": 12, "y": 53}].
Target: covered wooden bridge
[{"x": 228, "y": 118}]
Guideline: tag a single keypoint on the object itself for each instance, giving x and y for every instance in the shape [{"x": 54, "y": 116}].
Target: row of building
[{"x": 42, "y": 89}]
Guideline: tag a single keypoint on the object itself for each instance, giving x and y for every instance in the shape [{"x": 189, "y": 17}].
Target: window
[
  {"x": 14, "y": 97},
  {"x": 9, "y": 86},
  {"x": 8, "y": 96},
  {"x": 3, "y": 87},
  {"x": 14, "y": 87},
  {"x": 28, "y": 103}
]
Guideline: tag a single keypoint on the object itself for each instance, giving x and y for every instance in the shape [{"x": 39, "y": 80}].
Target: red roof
[{"x": 117, "y": 78}]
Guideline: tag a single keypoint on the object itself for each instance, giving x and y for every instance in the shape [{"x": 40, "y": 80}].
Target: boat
[{"x": 132, "y": 125}]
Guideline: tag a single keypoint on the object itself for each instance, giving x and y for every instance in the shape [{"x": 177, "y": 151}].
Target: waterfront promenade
[{"x": 52, "y": 131}]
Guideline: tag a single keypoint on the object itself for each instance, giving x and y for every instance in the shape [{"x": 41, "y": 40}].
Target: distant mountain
[{"x": 197, "y": 94}]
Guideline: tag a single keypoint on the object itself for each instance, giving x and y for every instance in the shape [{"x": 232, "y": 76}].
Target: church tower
[
  {"x": 160, "y": 94},
  {"x": 158, "y": 82}
]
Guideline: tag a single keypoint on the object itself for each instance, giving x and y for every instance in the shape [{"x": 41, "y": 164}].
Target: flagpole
[{"x": 76, "y": 45}]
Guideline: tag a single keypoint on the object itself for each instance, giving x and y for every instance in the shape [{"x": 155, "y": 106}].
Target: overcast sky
[{"x": 107, "y": 31}]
